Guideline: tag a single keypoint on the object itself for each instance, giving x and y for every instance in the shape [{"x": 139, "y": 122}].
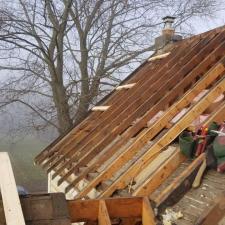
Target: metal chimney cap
[{"x": 169, "y": 19}]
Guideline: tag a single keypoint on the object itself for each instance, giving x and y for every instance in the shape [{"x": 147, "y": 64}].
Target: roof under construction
[{"x": 126, "y": 146}]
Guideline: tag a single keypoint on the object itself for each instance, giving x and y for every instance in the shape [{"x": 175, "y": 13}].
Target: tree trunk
[
  {"x": 62, "y": 107},
  {"x": 85, "y": 92}
]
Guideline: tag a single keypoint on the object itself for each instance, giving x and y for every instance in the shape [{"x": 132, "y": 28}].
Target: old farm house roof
[{"x": 127, "y": 144}]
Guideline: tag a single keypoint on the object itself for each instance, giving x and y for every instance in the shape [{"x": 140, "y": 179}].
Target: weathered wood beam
[
  {"x": 179, "y": 186},
  {"x": 103, "y": 215},
  {"x": 83, "y": 210},
  {"x": 124, "y": 207},
  {"x": 10, "y": 197},
  {"x": 148, "y": 217}
]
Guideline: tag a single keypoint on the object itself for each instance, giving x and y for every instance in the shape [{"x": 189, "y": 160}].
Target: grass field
[{"x": 22, "y": 153}]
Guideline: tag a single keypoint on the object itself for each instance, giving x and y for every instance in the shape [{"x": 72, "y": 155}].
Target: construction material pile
[{"x": 208, "y": 140}]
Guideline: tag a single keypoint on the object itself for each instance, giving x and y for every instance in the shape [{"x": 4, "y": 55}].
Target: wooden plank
[
  {"x": 160, "y": 175},
  {"x": 219, "y": 115},
  {"x": 216, "y": 71},
  {"x": 179, "y": 186},
  {"x": 100, "y": 108},
  {"x": 10, "y": 198},
  {"x": 162, "y": 56},
  {"x": 125, "y": 86},
  {"x": 214, "y": 214},
  {"x": 129, "y": 221},
  {"x": 103, "y": 215},
  {"x": 192, "y": 114},
  {"x": 130, "y": 207},
  {"x": 148, "y": 217},
  {"x": 83, "y": 210},
  {"x": 110, "y": 137}
]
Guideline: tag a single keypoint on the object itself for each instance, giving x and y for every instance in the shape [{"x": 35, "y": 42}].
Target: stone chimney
[{"x": 164, "y": 42}]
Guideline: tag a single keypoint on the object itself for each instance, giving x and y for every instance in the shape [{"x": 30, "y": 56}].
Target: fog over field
[{"x": 23, "y": 145}]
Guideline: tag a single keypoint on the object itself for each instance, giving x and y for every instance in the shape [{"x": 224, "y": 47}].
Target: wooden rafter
[
  {"x": 111, "y": 150},
  {"x": 126, "y": 122},
  {"x": 120, "y": 104},
  {"x": 202, "y": 84}
]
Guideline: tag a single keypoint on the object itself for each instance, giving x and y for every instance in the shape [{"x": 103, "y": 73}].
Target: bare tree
[{"x": 59, "y": 57}]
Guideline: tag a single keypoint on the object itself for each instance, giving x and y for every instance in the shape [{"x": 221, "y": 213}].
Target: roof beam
[
  {"x": 103, "y": 215},
  {"x": 160, "y": 175},
  {"x": 148, "y": 217}
]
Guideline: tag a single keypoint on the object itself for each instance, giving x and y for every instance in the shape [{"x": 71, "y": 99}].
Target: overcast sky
[{"x": 202, "y": 25}]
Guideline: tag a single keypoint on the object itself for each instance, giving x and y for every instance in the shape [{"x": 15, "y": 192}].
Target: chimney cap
[
  {"x": 168, "y": 21},
  {"x": 168, "y": 18}
]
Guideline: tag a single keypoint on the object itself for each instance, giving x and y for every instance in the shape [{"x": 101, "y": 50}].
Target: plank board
[
  {"x": 103, "y": 215},
  {"x": 148, "y": 217},
  {"x": 10, "y": 197}
]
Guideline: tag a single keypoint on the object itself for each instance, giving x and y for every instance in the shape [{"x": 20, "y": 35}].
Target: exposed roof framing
[{"x": 111, "y": 150}]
